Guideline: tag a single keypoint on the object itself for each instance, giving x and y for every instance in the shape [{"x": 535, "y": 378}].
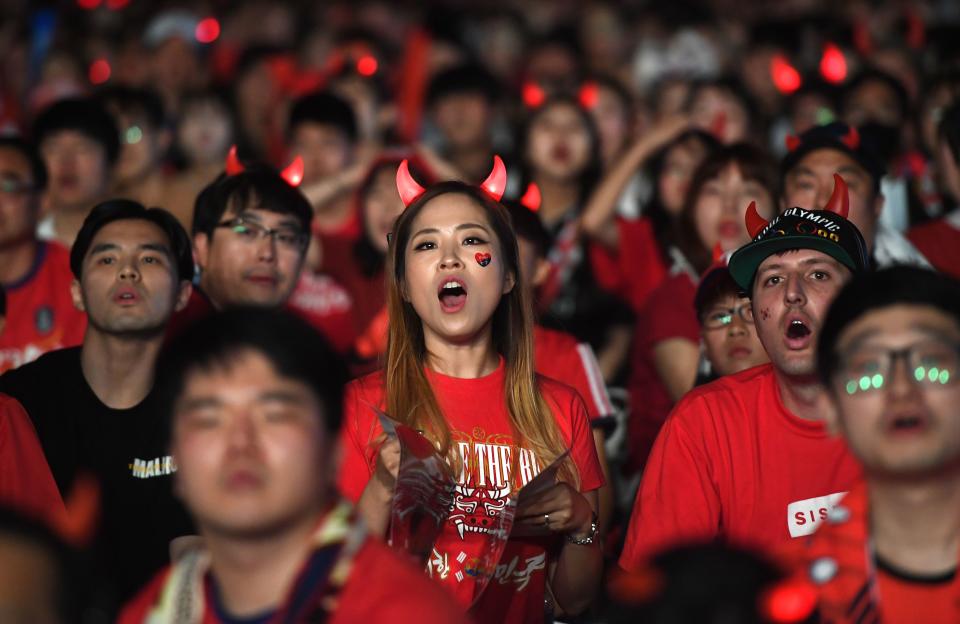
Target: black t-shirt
[{"x": 125, "y": 449}]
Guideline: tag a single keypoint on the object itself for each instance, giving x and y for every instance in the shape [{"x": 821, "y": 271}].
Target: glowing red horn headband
[
  {"x": 531, "y": 198},
  {"x": 410, "y": 189},
  {"x": 755, "y": 223},
  {"x": 293, "y": 174},
  {"x": 839, "y": 201}
]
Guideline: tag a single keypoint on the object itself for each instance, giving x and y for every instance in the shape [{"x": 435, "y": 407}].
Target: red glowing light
[
  {"x": 533, "y": 95},
  {"x": 833, "y": 65},
  {"x": 367, "y": 66},
  {"x": 785, "y": 77},
  {"x": 88, "y": 5},
  {"x": 790, "y": 601},
  {"x": 99, "y": 71},
  {"x": 589, "y": 93},
  {"x": 208, "y": 30},
  {"x": 116, "y": 5}
]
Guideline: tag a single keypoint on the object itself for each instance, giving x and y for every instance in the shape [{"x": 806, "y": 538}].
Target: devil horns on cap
[
  {"x": 839, "y": 203},
  {"x": 410, "y": 189},
  {"x": 293, "y": 174}
]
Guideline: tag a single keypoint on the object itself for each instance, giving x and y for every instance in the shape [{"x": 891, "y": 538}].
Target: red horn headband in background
[
  {"x": 292, "y": 174},
  {"x": 839, "y": 201},
  {"x": 410, "y": 189},
  {"x": 531, "y": 199},
  {"x": 851, "y": 139},
  {"x": 755, "y": 223}
]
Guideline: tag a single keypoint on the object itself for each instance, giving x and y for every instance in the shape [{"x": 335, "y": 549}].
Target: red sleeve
[
  {"x": 358, "y": 430},
  {"x": 572, "y": 417},
  {"x": 26, "y": 482},
  {"x": 135, "y": 611},
  {"x": 670, "y": 312},
  {"x": 590, "y": 383},
  {"x": 677, "y": 501}
]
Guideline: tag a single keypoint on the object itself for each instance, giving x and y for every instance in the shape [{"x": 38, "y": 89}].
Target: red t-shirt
[
  {"x": 480, "y": 426},
  {"x": 939, "y": 242},
  {"x": 635, "y": 270},
  {"x": 852, "y": 587},
  {"x": 26, "y": 482},
  {"x": 41, "y": 316},
  {"x": 326, "y": 305},
  {"x": 381, "y": 588},
  {"x": 669, "y": 313},
  {"x": 559, "y": 356},
  {"x": 731, "y": 461}
]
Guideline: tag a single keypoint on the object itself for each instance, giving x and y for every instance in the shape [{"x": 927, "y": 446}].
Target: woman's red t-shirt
[{"x": 476, "y": 412}]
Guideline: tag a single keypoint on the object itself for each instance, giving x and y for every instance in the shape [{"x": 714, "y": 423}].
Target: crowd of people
[{"x": 439, "y": 312}]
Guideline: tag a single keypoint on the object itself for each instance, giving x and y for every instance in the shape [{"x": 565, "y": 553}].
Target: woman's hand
[
  {"x": 561, "y": 509},
  {"x": 388, "y": 461}
]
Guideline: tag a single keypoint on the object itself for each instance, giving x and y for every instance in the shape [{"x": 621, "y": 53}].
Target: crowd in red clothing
[{"x": 664, "y": 255}]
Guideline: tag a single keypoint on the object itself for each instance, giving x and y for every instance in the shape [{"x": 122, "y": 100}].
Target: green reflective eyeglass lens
[{"x": 133, "y": 135}]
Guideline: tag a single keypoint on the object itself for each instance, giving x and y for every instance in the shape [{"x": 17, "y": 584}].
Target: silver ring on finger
[{"x": 546, "y": 519}]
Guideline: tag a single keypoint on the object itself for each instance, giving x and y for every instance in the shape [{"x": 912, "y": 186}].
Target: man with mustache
[
  {"x": 747, "y": 459},
  {"x": 92, "y": 405}
]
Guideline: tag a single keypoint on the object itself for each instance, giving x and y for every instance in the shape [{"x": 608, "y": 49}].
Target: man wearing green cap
[{"x": 747, "y": 459}]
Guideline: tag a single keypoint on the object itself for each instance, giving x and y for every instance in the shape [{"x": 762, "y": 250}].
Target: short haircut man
[
  {"x": 889, "y": 356},
  {"x": 747, "y": 458},
  {"x": 254, "y": 401}
]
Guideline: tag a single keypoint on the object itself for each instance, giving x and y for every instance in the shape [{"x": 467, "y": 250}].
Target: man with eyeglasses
[
  {"x": 747, "y": 459},
  {"x": 889, "y": 356},
  {"x": 36, "y": 274},
  {"x": 250, "y": 235}
]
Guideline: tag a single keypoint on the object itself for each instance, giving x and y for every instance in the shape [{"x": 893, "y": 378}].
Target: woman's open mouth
[{"x": 453, "y": 295}]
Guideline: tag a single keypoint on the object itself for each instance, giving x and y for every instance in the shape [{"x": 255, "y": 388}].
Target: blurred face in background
[
  {"x": 559, "y": 143},
  {"x": 141, "y": 147},
  {"x": 721, "y": 204},
  {"x": 77, "y": 168},
  {"x": 381, "y": 207},
  {"x": 18, "y": 199},
  {"x": 718, "y": 111},
  {"x": 679, "y": 163},
  {"x": 464, "y": 119},
  {"x": 613, "y": 122},
  {"x": 326, "y": 150},
  {"x": 205, "y": 132}
]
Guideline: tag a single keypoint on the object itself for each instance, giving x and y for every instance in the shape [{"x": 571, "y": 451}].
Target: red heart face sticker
[{"x": 483, "y": 259}]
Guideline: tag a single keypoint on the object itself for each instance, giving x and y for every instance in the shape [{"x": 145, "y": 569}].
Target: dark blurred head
[
  {"x": 23, "y": 178},
  {"x": 723, "y": 108},
  {"x": 322, "y": 129},
  {"x": 79, "y": 143},
  {"x": 144, "y": 138},
  {"x": 561, "y": 145},
  {"x": 461, "y": 101}
]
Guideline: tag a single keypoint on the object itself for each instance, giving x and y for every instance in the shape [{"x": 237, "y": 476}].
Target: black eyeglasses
[
  {"x": 931, "y": 364},
  {"x": 723, "y": 317},
  {"x": 288, "y": 238}
]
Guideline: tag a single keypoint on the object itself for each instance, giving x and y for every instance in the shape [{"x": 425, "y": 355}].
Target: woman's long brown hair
[{"x": 409, "y": 397}]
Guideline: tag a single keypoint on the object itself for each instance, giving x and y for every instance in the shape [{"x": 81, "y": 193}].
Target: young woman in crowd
[
  {"x": 666, "y": 350},
  {"x": 561, "y": 153},
  {"x": 634, "y": 254},
  {"x": 459, "y": 369}
]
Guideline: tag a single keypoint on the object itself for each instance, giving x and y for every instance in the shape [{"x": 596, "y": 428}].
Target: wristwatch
[{"x": 589, "y": 539}]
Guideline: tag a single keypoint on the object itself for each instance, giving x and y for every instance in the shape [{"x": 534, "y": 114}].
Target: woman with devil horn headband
[{"x": 459, "y": 368}]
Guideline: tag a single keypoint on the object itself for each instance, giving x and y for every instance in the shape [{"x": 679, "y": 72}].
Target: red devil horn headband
[
  {"x": 293, "y": 174},
  {"x": 410, "y": 189},
  {"x": 839, "y": 201},
  {"x": 755, "y": 223},
  {"x": 851, "y": 139},
  {"x": 531, "y": 199}
]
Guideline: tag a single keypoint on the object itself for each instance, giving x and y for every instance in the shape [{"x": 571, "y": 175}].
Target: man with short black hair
[
  {"x": 35, "y": 274},
  {"x": 79, "y": 143},
  {"x": 889, "y": 356},
  {"x": 92, "y": 405},
  {"x": 254, "y": 401},
  {"x": 747, "y": 458},
  {"x": 322, "y": 129}
]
